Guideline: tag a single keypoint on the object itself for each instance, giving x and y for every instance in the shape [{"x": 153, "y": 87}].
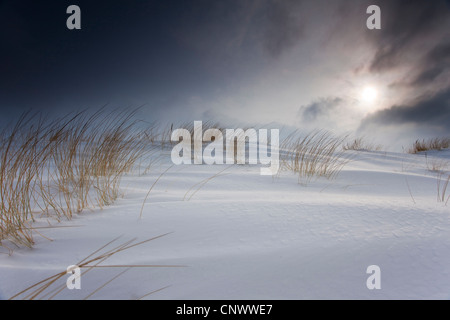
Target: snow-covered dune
[{"x": 240, "y": 235}]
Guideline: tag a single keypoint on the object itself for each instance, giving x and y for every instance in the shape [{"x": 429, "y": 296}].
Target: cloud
[
  {"x": 435, "y": 63},
  {"x": 236, "y": 28},
  {"x": 405, "y": 24},
  {"x": 399, "y": 126},
  {"x": 432, "y": 112},
  {"x": 283, "y": 27},
  {"x": 321, "y": 108},
  {"x": 330, "y": 113}
]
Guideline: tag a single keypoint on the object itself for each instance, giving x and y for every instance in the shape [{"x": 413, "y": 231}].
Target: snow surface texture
[{"x": 247, "y": 236}]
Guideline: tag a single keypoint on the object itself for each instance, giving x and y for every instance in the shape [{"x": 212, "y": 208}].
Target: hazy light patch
[{"x": 369, "y": 94}]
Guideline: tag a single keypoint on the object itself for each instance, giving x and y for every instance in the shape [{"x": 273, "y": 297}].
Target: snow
[{"x": 247, "y": 236}]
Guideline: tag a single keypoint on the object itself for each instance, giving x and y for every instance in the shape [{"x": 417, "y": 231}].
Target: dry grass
[
  {"x": 442, "y": 188},
  {"x": 52, "y": 286},
  {"x": 361, "y": 144},
  {"x": 22, "y": 160},
  {"x": 93, "y": 155},
  {"x": 63, "y": 166},
  {"x": 441, "y": 168},
  {"x": 200, "y": 184},
  {"x": 235, "y": 147},
  {"x": 151, "y": 188},
  {"x": 318, "y": 154},
  {"x": 437, "y": 165},
  {"x": 163, "y": 135},
  {"x": 430, "y": 144}
]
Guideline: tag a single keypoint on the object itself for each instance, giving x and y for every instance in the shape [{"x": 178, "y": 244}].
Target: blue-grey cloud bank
[{"x": 298, "y": 64}]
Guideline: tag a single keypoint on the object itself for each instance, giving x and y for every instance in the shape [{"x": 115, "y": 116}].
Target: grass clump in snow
[
  {"x": 430, "y": 144},
  {"x": 63, "y": 166},
  {"x": 22, "y": 159},
  {"x": 442, "y": 188},
  {"x": 317, "y": 154},
  {"x": 360, "y": 144},
  {"x": 52, "y": 286}
]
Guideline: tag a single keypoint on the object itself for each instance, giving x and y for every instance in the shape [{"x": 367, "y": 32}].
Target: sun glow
[{"x": 369, "y": 94}]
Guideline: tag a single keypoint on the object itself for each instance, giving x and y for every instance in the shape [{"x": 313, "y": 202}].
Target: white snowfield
[{"x": 246, "y": 236}]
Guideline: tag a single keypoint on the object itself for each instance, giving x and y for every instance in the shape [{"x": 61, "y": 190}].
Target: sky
[{"x": 300, "y": 64}]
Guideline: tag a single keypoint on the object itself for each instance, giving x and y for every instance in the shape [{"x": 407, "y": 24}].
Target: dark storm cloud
[
  {"x": 414, "y": 37},
  {"x": 406, "y": 23},
  {"x": 320, "y": 108},
  {"x": 283, "y": 28},
  {"x": 181, "y": 58},
  {"x": 435, "y": 64},
  {"x": 155, "y": 52},
  {"x": 228, "y": 28},
  {"x": 331, "y": 113},
  {"x": 431, "y": 112},
  {"x": 126, "y": 51}
]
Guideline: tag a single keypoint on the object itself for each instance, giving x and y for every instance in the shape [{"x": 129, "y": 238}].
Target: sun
[{"x": 369, "y": 94}]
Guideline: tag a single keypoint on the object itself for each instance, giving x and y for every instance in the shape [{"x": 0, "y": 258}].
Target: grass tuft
[
  {"x": 50, "y": 287},
  {"x": 360, "y": 144},
  {"x": 318, "y": 154},
  {"x": 63, "y": 166},
  {"x": 430, "y": 144}
]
